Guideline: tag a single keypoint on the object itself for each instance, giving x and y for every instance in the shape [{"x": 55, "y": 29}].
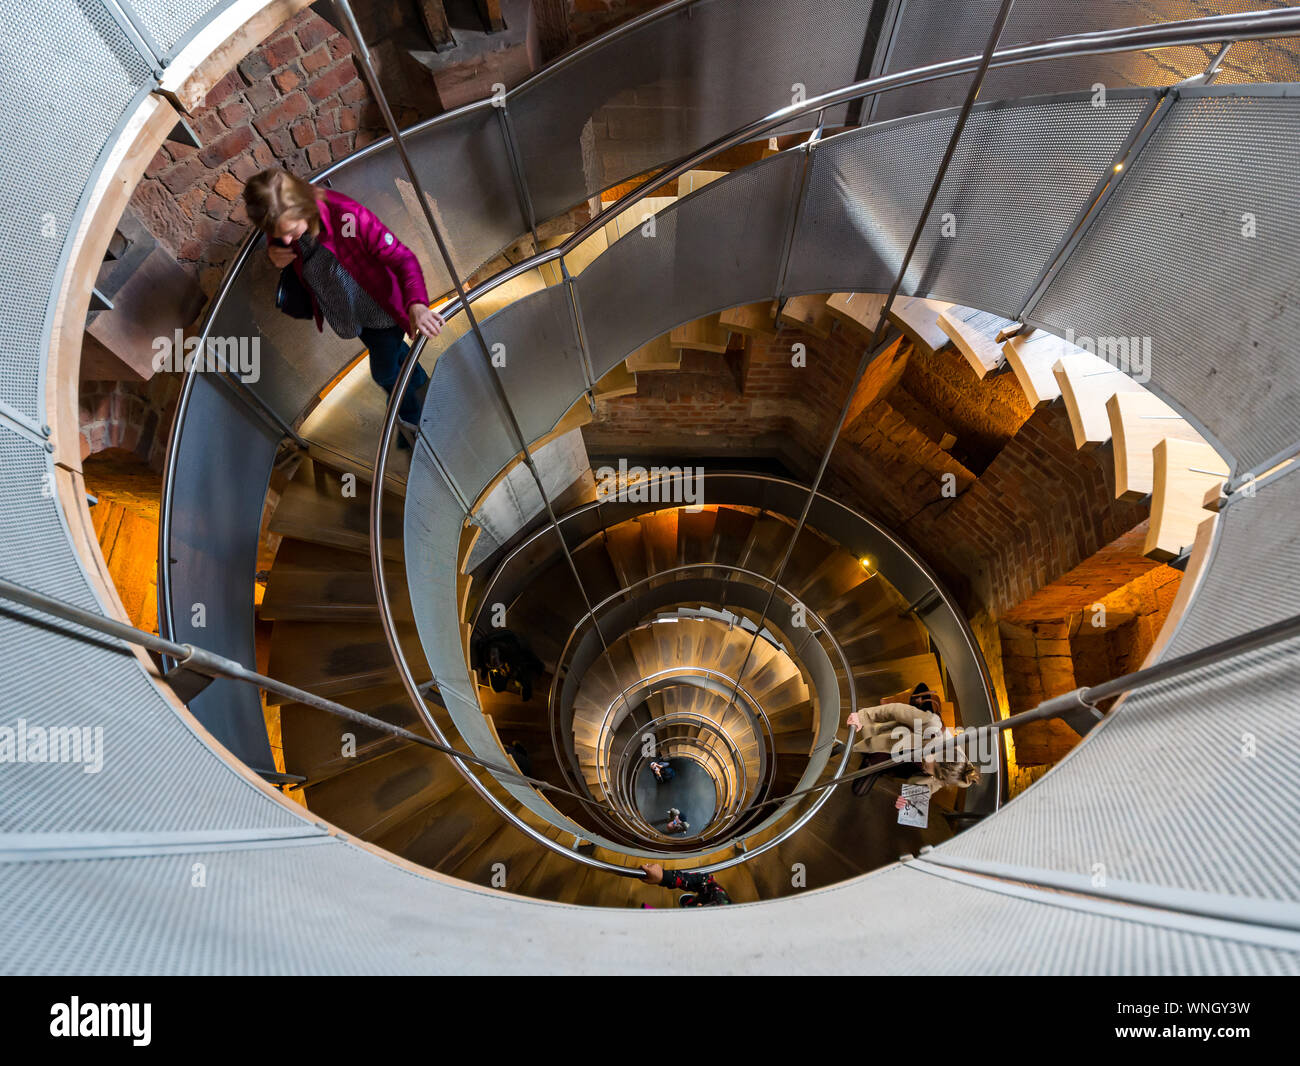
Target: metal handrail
[
  {"x": 1215, "y": 29},
  {"x": 628, "y": 772},
  {"x": 206, "y": 663},
  {"x": 672, "y": 674},
  {"x": 821, "y": 627}
]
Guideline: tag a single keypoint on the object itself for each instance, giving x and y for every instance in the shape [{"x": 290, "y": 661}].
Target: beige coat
[{"x": 890, "y": 727}]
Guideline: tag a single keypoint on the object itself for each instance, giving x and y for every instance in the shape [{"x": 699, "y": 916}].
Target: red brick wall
[
  {"x": 132, "y": 416},
  {"x": 1038, "y": 510},
  {"x": 297, "y": 102},
  {"x": 702, "y": 410}
]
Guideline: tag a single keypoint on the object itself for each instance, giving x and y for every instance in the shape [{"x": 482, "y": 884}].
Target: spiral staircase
[{"x": 733, "y": 636}]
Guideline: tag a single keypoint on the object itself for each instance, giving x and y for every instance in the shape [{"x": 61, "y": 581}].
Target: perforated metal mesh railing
[
  {"x": 1210, "y": 197},
  {"x": 1086, "y": 188},
  {"x": 923, "y": 31},
  {"x": 111, "y": 848},
  {"x": 40, "y": 197},
  {"x": 1022, "y": 174},
  {"x": 1186, "y": 793}
]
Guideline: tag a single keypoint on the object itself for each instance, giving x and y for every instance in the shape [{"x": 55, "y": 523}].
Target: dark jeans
[{"x": 387, "y": 350}]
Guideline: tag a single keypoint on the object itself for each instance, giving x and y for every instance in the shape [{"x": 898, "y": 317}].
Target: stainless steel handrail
[
  {"x": 1215, "y": 29},
  {"x": 671, "y": 673},
  {"x": 853, "y": 515},
  {"x": 621, "y": 593},
  {"x": 1210, "y": 30}
]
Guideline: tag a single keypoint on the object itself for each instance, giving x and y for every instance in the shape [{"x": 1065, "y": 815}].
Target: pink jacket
[{"x": 380, "y": 263}]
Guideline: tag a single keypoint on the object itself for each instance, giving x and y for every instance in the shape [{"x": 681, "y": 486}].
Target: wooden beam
[{"x": 434, "y": 15}]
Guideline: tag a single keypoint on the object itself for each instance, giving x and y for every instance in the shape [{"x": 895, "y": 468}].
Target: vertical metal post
[
  {"x": 872, "y": 350},
  {"x": 517, "y": 169},
  {"x": 363, "y": 56}
]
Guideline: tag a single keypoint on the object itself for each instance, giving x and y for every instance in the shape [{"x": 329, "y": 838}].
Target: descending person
[
  {"x": 701, "y": 890},
  {"x": 897, "y": 733},
  {"x": 342, "y": 265}
]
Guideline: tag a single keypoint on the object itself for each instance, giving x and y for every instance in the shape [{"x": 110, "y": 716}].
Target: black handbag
[{"x": 292, "y": 296}]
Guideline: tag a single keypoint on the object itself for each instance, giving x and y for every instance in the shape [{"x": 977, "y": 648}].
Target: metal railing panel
[
  {"x": 352, "y": 913},
  {"x": 168, "y": 23},
  {"x": 61, "y": 676},
  {"x": 224, "y": 458},
  {"x": 717, "y": 248},
  {"x": 433, "y": 522},
  {"x": 1190, "y": 784},
  {"x": 676, "y": 82},
  {"x": 1021, "y": 174},
  {"x": 44, "y": 174},
  {"x": 934, "y": 30},
  {"x": 1192, "y": 261},
  {"x": 536, "y": 353}
]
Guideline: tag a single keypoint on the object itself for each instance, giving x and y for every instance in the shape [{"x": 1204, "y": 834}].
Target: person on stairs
[
  {"x": 502, "y": 660},
  {"x": 675, "y": 822},
  {"x": 897, "y": 732},
  {"x": 701, "y": 890},
  {"x": 340, "y": 264},
  {"x": 663, "y": 770}
]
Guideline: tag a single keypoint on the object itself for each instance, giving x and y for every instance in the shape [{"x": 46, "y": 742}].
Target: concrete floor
[{"x": 692, "y": 792}]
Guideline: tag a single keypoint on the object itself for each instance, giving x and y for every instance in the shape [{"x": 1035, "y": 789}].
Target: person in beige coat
[{"x": 901, "y": 731}]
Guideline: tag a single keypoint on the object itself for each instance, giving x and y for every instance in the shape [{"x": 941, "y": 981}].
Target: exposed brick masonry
[{"x": 296, "y": 102}]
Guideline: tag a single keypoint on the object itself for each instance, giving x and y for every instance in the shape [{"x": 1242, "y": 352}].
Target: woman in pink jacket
[{"x": 362, "y": 280}]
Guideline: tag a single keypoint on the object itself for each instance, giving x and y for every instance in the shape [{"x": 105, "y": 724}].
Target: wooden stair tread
[
  {"x": 1184, "y": 472},
  {"x": 859, "y": 310},
  {"x": 703, "y": 335},
  {"x": 1138, "y": 422},
  {"x": 919, "y": 319},
  {"x": 974, "y": 333},
  {"x": 1087, "y": 383}
]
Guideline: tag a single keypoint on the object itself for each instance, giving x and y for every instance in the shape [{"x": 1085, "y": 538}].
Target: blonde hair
[{"x": 276, "y": 194}]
